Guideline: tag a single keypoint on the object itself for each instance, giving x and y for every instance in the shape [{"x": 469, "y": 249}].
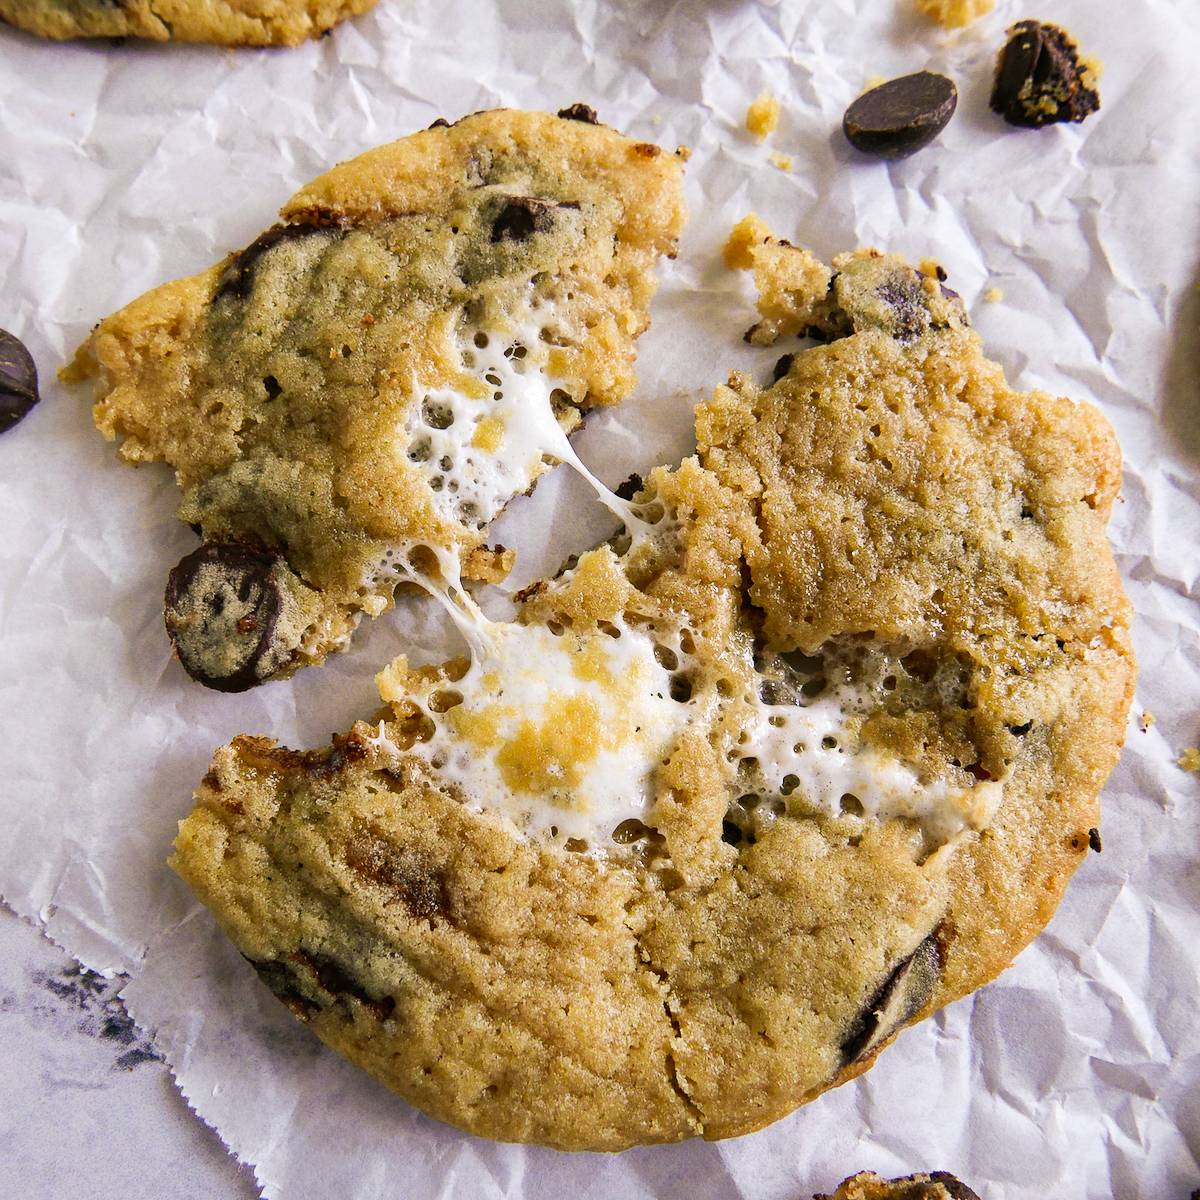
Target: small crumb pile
[
  {"x": 955, "y": 14},
  {"x": 1189, "y": 760},
  {"x": 762, "y": 116}
]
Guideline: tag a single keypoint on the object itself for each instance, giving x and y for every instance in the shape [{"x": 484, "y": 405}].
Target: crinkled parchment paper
[{"x": 1078, "y": 1072}]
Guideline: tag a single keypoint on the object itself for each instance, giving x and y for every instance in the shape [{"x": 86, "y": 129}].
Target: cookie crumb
[
  {"x": 993, "y": 295},
  {"x": 791, "y": 283},
  {"x": 1189, "y": 760},
  {"x": 749, "y": 232},
  {"x": 763, "y": 116},
  {"x": 782, "y": 161},
  {"x": 955, "y": 14},
  {"x": 933, "y": 269},
  {"x": 1146, "y": 720}
]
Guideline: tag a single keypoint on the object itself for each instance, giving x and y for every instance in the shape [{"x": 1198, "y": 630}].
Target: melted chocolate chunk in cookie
[
  {"x": 900, "y": 997},
  {"x": 222, "y": 609},
  {"x": 238, "y": 276},
  {"x": 18, "y": 381},
  {"x": 1040, "y": 78},
  {"x": 521, "y": 217}
]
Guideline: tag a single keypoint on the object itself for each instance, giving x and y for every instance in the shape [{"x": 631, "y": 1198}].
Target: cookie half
[
  {"x": 352, "y": 399},
  {"x": 224, "y": 22},
  {"x": 808, "y": 752}
]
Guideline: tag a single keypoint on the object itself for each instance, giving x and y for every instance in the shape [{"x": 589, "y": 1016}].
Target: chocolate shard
[
  {"x": 18, "y": 381},
  {"x": 579, "y": 112},
  {"x": 897, "y": 118},
  {"x": 630, "y": 487},
  {"x": 902, "y": 995},
  {"x": 222, "y": 609},
  {"x": 1040, "y": 79}
]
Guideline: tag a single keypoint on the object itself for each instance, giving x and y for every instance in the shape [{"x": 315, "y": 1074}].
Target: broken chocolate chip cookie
[
  {"x": 358, "y": 393},
  {"x": 808, "y": 751}
]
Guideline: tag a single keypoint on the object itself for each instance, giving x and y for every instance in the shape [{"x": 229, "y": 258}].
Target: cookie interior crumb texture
[
  {"x": 762, "y": 117},
  {"x": 807, "y": 751},
  {"x": 229, "y": 22},
  {"x": 955, "y": 14},
  {"x": 359, "y": 392}
]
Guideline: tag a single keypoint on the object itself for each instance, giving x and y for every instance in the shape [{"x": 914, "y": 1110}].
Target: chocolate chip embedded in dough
[
  {"x": 18, "y": 381},
  {"x": 897, "y": 118},
  {"x": 904, "y": 295},
  {"x": 222, "y": 610},
  {"x": 899, "y": 998},
  {"x": 1040, "y": 79},
  {"x": 579, "y": 112},
  {"x": 238, "y": 276},
  {"x": 522, "y": 217},
  {"x": 782, "y": 367}
]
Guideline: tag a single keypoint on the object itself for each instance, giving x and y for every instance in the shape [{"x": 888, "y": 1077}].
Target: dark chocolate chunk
[
  {"x": 579, "y": 112},
  {"x": 222, "y": 611},
  {"x": 1094, "y": 840},
  {"x": 1039, "y": 78},
  {"x": 238, "y": 276},
  {"x": 18, "y": 381},
  {"x": 897, "y": 118},
  {"x": 957, "y": 1189},
  {"x": 782, "y": 367},
  {"x": 630, "y": 487},
  {"x": 902, "y": 995},
  {"x": 521, "y": 217}
]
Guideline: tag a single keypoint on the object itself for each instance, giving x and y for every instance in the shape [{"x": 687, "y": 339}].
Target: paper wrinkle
[{"x": 1077, "y": 1073}]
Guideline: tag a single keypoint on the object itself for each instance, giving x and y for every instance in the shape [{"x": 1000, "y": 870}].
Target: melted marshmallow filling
[
  {"x": 813, "y": 752},
  {"x": 480, "y": 444},
  {"x": 561, "y": 733}
]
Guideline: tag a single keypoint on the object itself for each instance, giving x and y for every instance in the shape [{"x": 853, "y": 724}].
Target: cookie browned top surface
[
  {"x": 361, "y": 390},
  {"x": 808, "y": 752},
  {"x": 226, "y": 22}
]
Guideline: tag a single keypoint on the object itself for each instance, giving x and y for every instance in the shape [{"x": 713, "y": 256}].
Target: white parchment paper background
[{"x": 1077, "y": 1074}]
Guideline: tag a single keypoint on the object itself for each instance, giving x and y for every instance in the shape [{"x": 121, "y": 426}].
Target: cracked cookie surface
[
  {"x": 861, "y": 668},
  {"x": 224, "y": 22},
  {"x": 359, "y": 392}
]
